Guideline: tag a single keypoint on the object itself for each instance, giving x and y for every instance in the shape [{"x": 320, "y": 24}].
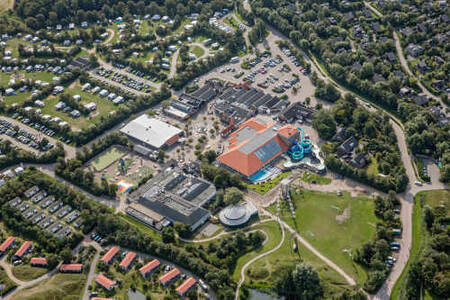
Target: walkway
[{"x": 91, "y": 268}]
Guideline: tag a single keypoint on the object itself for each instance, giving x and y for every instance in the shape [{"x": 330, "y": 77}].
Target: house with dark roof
[
  {"x": 391, "y": 57},
  {"x": 422, "y": 66},
  {"x": 256, "y": 144},
  {"x": 347, "y": 146},
  {"x": 420, "y": 99},
  {"x": 358, "y": 161}
]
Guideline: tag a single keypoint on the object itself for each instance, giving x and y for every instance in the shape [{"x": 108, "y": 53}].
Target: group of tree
[
  {"x": 301, "y": 282},
  {"x": 375, "y": 136},
  {"x": 12, "y": 155},
  {"x": 429, "y": 268},
  {"x": 373, "y": 254}
]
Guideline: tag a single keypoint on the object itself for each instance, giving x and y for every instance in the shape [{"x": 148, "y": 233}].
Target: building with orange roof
[
  {"x": 149, "y": 268},
  {"x": 186, "y": 286},
  {"x": 100, "y": 298},
  {"x": 38, "y": 261},
  {"x": 7, "y": 244},
  {"x": 71, "y": 268},
  {"x": 110, "y": 255},
  {"x": 170, "y": 276},
  {"x": 105, "y": 282},
  {"x": 128, "y": 260},
  {"x": 24, "y": 249},
  {"x": 255, "y": 144}
]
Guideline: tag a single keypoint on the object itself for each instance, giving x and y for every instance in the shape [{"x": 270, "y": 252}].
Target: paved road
[{"x": 94, "y": 262}]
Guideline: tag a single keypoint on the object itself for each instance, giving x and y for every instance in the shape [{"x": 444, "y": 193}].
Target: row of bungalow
[
  {"x": 146, "y": 270},
  {"x": 10, "y": 242}
]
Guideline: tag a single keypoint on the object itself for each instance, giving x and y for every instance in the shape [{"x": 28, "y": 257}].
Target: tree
[
  {"x": 66, "y": 255},
  {"x": 168, "y": 235},
  {"x": 325, "y": 124},
  {"x": 302, "y": 283},
  {"x": 233, "y": 196}
]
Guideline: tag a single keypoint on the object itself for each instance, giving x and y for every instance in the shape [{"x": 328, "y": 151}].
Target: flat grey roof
[{"x": 150, "y": 131}]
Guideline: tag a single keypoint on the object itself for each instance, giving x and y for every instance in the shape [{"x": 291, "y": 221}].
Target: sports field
[
  {"x": 106, "y": 158},
  {"x": 335, "y": 225}
]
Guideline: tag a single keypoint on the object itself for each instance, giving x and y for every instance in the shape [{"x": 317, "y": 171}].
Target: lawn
[
  {"x": 315, "y": 179},
  {"x": 372, "y": 168},
  {"x": 60, "y": 286},
  {"x": 4, "y": 279},
  {"x": 44, "y": 76},
  {"x": 19, "y": 98},
  {"x": 27, "y": 272},
  {"x": 273, "y": 231},
  {"x": 106, "y": 158},
  {"x": 420, "y": 235},
  {"x": 104, "y": 107},
  {"x": 266, "y": 271},
  {"x": 334, "y": 225},
  {"x": 133, "y": 279},
  {"x": 264, "y": 187},
  {"x": 198, "y": 51}
]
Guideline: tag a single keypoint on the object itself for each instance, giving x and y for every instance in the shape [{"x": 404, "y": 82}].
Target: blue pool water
[{"x": 260, "y": 175}]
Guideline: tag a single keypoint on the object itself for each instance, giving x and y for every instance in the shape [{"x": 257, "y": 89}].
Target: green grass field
[
  {"x": 19, "y": 98},
  {"x": 334, "y": 225},
  {"x": 198, "y": 51},
  {"x": 106, "y": 158},
  {"x": 59, "y": 286},
  {"x": 420, "y": 235},
  {"x": 27, "y": 272},
  {"x": 315, "y": 179}
]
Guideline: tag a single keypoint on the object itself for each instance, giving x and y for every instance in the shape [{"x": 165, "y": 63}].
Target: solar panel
[{"x": 268, "y": 150}]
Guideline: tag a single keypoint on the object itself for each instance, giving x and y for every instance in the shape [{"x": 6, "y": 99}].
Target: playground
[{"x": 123, "y": 168}]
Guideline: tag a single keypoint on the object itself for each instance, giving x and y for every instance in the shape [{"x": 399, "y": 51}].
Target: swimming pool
[{"x": 264, "y": 174}]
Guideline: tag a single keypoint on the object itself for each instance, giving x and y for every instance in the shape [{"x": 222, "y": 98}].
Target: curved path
[
  {"x": 241, "y": 281},
  {"x": 22, "y": 284},
  {"x": 91, "y": 274},
  {"x": 225, "y": 233}
]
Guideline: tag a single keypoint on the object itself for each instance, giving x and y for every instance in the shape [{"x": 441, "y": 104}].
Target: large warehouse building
[
  {"x": 256, "y": 144},
  {"x": 151, "y": 132},
  {"x": 172, "y": 196}
]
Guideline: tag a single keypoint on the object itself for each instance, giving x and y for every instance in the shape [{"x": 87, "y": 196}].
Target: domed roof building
[{"x": 237, "y": 215}]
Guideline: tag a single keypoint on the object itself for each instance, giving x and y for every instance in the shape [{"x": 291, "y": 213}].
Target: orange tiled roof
[
  {"x": 249, "y": 163},
  {"x": 5, "y": 245},
  {"x": 70, "y": 267},
  {"x": 24, "y": 248},
  {"x": 186, "y": 285},
  {"x": 110, "y": 254},
  {"x": 149, "y": 267},
  {"x": 38, "y": 261},
  {"x": 105, "y": 281},
  {"x": 126, "y": 261},
  {"x": 169, "y": 276}
]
